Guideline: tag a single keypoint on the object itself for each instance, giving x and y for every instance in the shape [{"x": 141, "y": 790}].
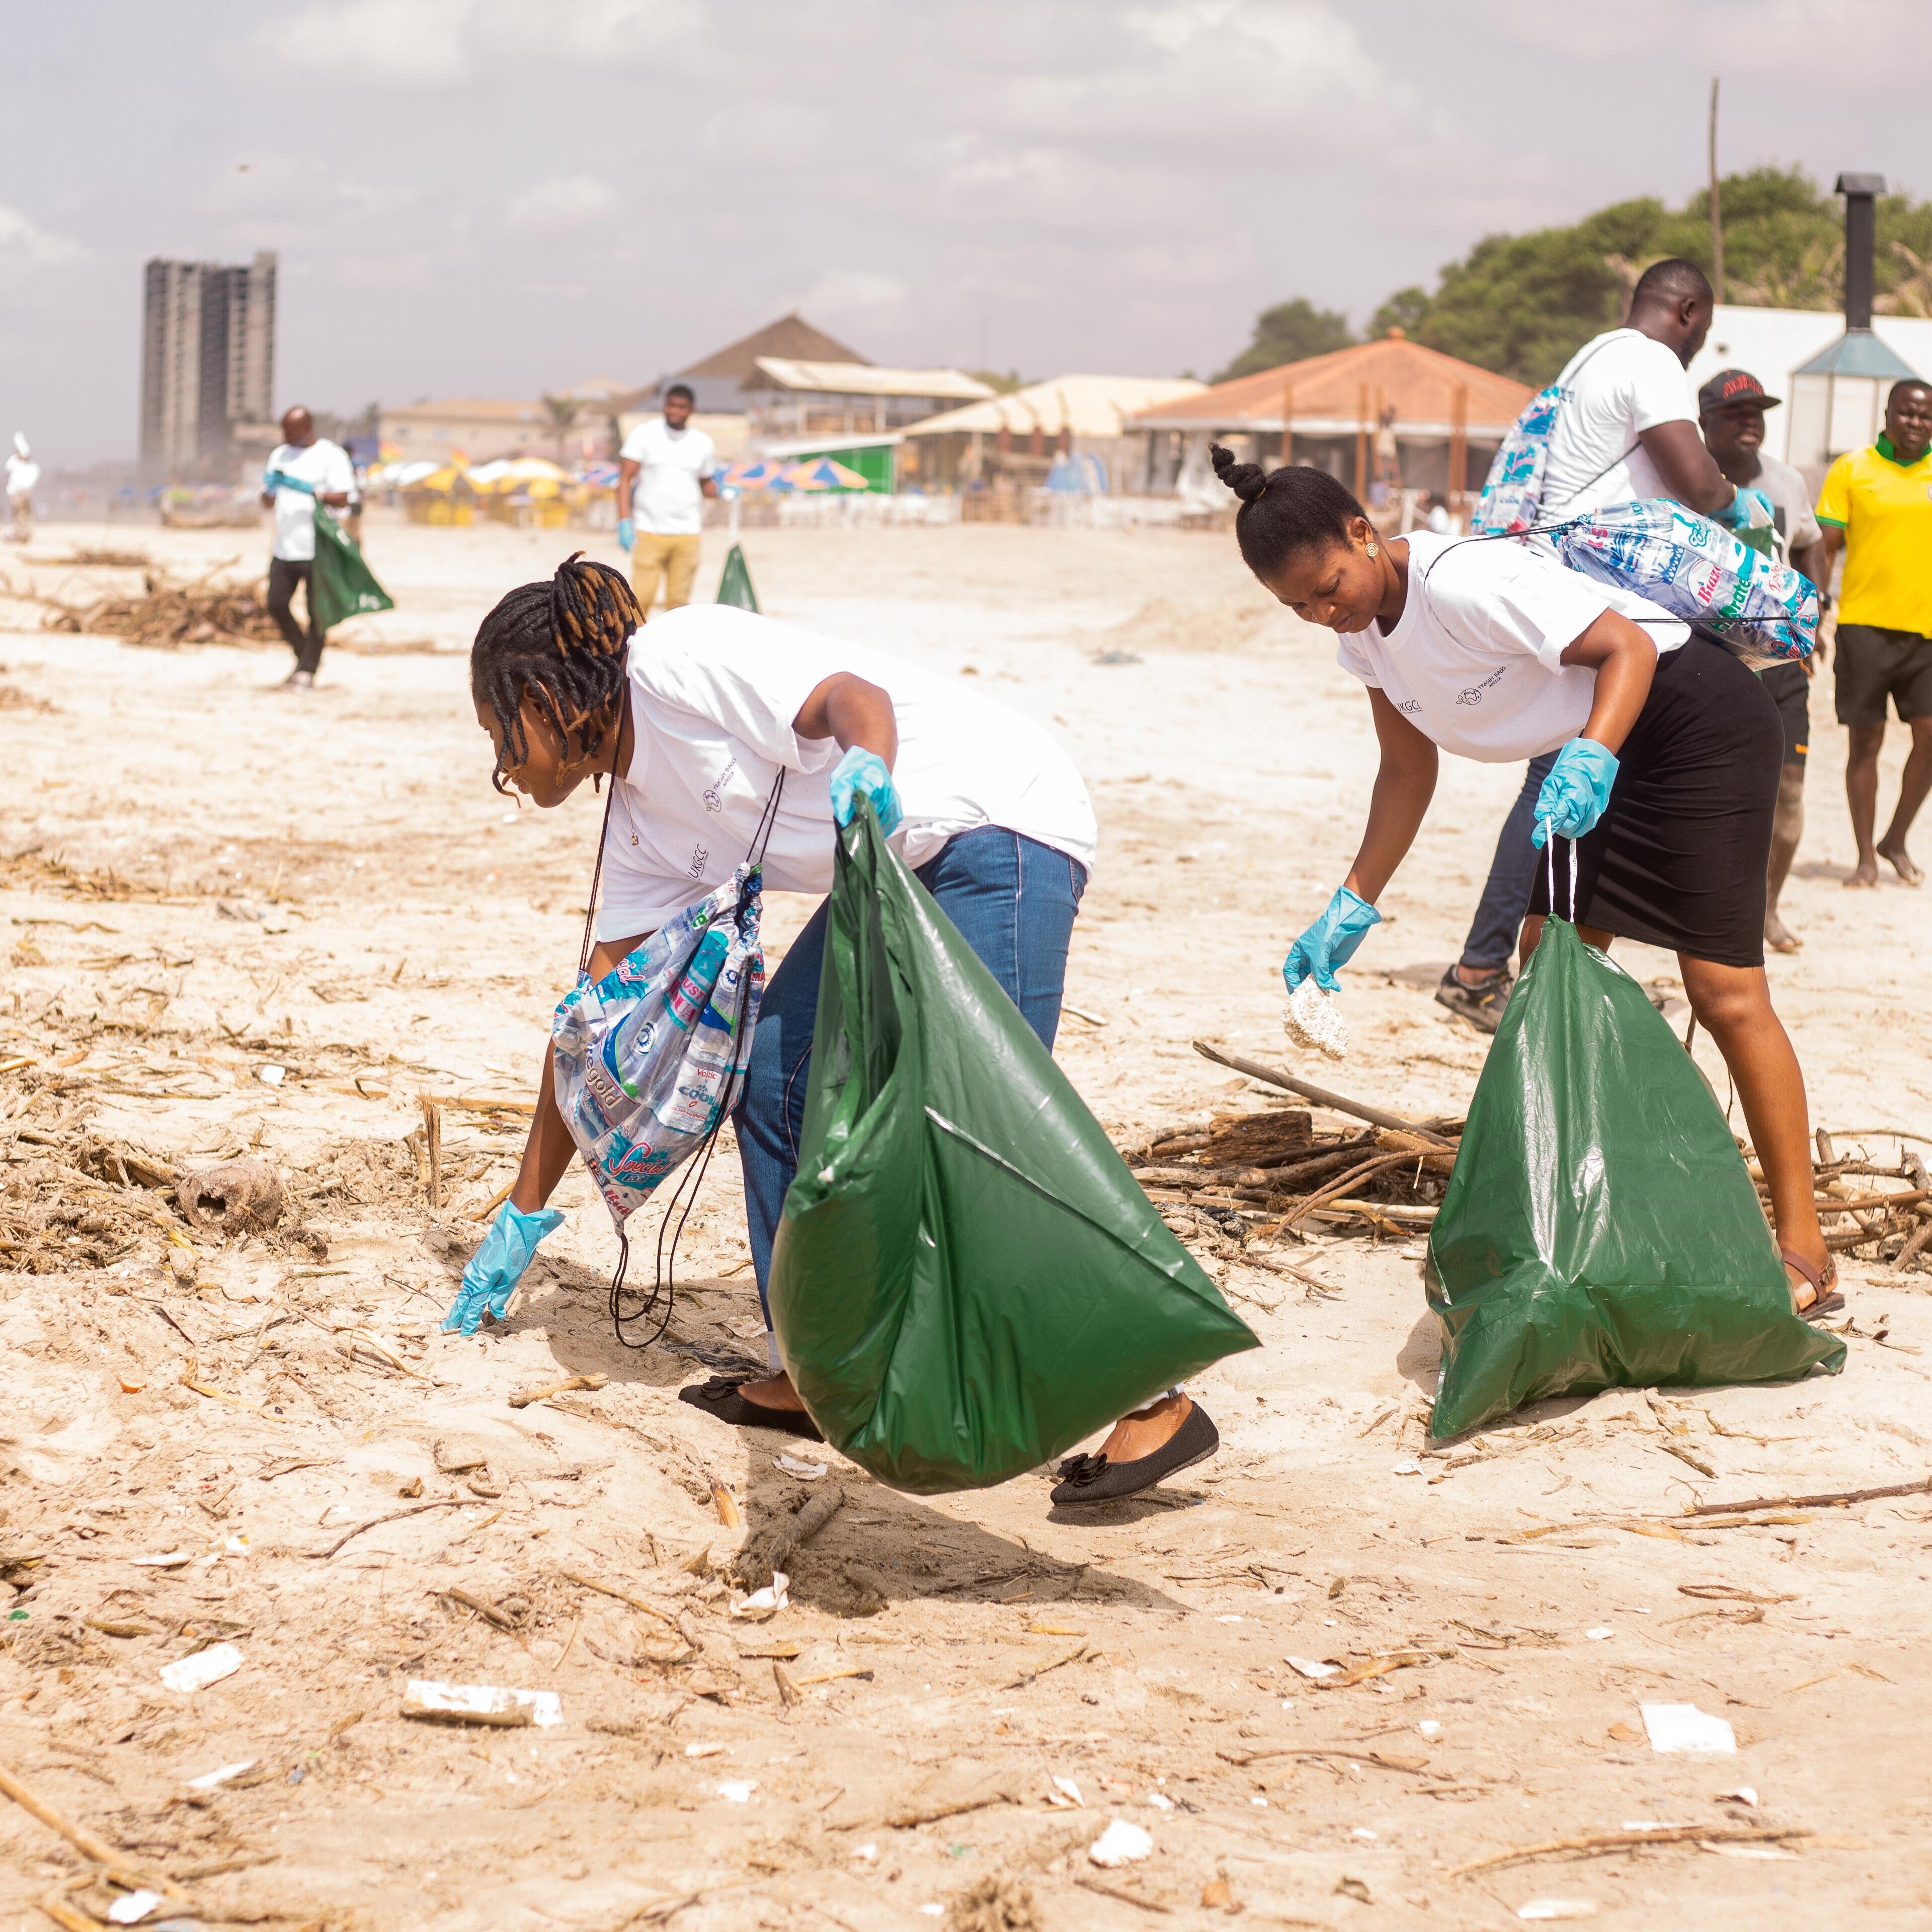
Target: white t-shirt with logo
[
  {"x": 324, "y": 466},
  {"x": 713, "y": 692},
  {"x": 1616, "y": 385},
  {"x": 1474, "y": 660},
  {"x": 667, "y": 498}
]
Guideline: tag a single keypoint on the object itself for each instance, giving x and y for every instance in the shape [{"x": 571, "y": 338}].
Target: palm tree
[{"x": 563, "y": 412}]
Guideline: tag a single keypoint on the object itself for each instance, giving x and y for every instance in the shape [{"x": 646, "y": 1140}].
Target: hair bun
[{"x": 1247, "y": 480}]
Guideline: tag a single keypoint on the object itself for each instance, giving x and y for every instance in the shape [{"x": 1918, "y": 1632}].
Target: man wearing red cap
[{"x": 1730, "y": 412}]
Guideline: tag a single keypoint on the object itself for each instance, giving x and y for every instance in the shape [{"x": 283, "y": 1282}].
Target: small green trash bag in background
[
  {"x": 341, "y": 585},
  {"x": 735, "y": 586},
  {"x": 966, "y": 1279},
  {"x": 1599, "y": 1231}
]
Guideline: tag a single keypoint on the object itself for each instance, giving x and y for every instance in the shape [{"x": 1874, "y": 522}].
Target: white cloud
[
  {"x": 855, "y": 296},
  {"x": 411, "y": 43},
  {"x": 567, "y": 201},
  {"x": 22, "y": 242},
  {"x": 439, "y": 44}
]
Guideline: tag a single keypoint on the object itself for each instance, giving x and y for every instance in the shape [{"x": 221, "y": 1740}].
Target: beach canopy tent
[
  {"x": 823, "y": 472},
  {"x": 1018, "y": 436},
  {"x": 533, "y": 476},
  {"x": 1383, "y": 415}
]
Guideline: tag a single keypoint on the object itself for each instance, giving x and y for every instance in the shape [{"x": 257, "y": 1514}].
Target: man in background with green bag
[{"x": 304, "y": 470}]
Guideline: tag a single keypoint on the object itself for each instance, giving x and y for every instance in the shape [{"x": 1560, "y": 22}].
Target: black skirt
[{"x": 1679, "y": 858}]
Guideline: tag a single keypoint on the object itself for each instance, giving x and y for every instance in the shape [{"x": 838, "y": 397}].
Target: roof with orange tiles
[{"x": 1336, "y": 394}]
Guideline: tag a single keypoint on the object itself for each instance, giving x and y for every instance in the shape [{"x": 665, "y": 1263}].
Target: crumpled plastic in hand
[
  {"x": 763, "y": 1604},
  {"x": 1314, "y": 1018}
]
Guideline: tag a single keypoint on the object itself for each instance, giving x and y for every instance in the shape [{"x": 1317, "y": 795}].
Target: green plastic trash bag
[
  {"x": 1599, "y": 1230},
  {"x": 735, "y": 586},
  {"x": 966, "y": 1279},
  {"x": 341, "y": 584}
]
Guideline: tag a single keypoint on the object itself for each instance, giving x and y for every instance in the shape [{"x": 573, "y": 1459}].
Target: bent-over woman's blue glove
[
  {"x": 1576, "y": 792},
  {"x": 497, "y": 1266},
  {"x": 863, "y": 774},
  {"x": 1330, "y": 941}
]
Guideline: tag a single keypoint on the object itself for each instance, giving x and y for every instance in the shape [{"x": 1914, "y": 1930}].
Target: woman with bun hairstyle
[
  {"x": 1666, "y": 776},
  {"x": 706, "y": 722}
]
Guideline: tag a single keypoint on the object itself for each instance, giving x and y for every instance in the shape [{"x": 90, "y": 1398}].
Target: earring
[{"x": 1372, "y": 549}]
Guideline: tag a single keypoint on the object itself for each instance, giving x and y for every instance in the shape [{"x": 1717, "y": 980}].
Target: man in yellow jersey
[{"x": 1877, "y": 507}]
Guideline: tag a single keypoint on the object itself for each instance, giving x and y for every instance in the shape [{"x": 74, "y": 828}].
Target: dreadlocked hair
[
  {"x": 562, "y": 645},
  {"x": 1284, "y": 510}
]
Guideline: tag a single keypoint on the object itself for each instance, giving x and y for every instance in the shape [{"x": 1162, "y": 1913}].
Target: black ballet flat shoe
[
  {"x": 720, "y": 1397},
  {"x": 1093, "y": 1479}
]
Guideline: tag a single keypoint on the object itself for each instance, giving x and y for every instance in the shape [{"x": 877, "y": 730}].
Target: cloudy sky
[{"x": 493, "y": 197}]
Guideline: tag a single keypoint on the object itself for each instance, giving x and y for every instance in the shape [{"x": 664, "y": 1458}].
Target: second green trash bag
[
  {"x": 1600, "y": 1230},
  {"x": 967, "y": 1280},
  {"x": 341, "y": 585}
]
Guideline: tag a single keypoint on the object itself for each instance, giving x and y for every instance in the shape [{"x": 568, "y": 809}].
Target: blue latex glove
[
  {"x": 280, "y": 479},
  {"x": 1330, "y": 941},
  {"x": 863, "y": 774},
  {"x": 627, "y": 533},
  {"x": 1747, "y": 510},
  {"x": 1576, "y": 792},
  {"x": 497, "y": 1266},
  {"x": 272, "y": 480}
]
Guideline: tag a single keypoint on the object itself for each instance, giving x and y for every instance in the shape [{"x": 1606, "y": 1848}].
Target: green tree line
[{"x": 1521, "y": 304}]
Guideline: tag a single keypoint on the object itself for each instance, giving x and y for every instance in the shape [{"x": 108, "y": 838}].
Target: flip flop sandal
[
  {"x": 1093, "y": 1479},
  {"x": 720, "y": 1397},
  {"x": 1826, "y": 1299}
]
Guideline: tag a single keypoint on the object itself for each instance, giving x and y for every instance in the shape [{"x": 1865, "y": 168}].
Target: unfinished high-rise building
[{"x": 208, "y": 362}]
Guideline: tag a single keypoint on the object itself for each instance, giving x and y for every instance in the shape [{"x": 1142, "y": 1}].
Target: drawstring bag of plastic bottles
[
  {"x": 1600, "y": 1230},
  {"x": 648, "y": 1061},
  {"x": 967, "y": 1279}
]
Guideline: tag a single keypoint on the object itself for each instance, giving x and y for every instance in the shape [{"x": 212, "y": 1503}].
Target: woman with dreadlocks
[{"x": 716, "y": 725}]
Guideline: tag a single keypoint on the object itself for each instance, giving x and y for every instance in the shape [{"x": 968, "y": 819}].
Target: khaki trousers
[{"x": 672, "y": 559}]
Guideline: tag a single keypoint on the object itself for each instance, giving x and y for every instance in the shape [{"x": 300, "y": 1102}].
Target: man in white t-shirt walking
[
  {"x": 665, "y": 471},
  {"x": 1626, "y": 429},
  {"x": 22, "y": 474},
  {"x": 304, "y": 470}
]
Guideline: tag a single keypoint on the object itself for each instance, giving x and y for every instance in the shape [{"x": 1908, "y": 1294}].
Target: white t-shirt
[
  {"x": 1473, "y": 662},
  {"x": 713, "y": 692},
  {"x": 321, "y": 464},
  {"x": 1614, "y": 385},
  {"x": 1791, "y": 499},
  {"x": 667, "y": 498},
  {"x": 22, "y": 473}
]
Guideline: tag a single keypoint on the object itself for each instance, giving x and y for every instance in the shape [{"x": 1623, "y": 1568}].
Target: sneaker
[
  {"x": 299, "y": 680},
  {"x": 1481, "y": 1005}
]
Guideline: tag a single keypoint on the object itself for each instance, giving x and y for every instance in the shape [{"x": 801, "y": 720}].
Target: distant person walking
[
  {"x": 1877, "y": 507},
  {"x": 304, "y": 470},
  {"x": 1730, "y": 412},
  {"x": 665, "y": 470},
  {"x": 1625, "y": 431},
  {"x": 22, "y": 474}
]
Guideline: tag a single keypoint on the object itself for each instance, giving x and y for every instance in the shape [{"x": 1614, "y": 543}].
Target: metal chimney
[{"x": 1860, "y": 245}]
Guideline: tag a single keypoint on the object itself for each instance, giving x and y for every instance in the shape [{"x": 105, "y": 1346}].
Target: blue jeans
[
  {"x": 1498, "y": 921},
  {"x": 1014, "y": 900}
]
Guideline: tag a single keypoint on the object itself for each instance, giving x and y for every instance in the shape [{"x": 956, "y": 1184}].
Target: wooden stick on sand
[{"x": 1338, "y": 1103}]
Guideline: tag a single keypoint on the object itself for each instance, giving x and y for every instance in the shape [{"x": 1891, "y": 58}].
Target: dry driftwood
[
  {"x": 1338, "y": 1103},
  {"x": 769, "y": 1549},
  {"x": 1624, "y": 1841},
  {"x": 1828, "y": 1499}
]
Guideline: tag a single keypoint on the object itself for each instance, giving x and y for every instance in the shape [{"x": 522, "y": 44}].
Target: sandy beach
[{"x": 235, "y": 921}]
